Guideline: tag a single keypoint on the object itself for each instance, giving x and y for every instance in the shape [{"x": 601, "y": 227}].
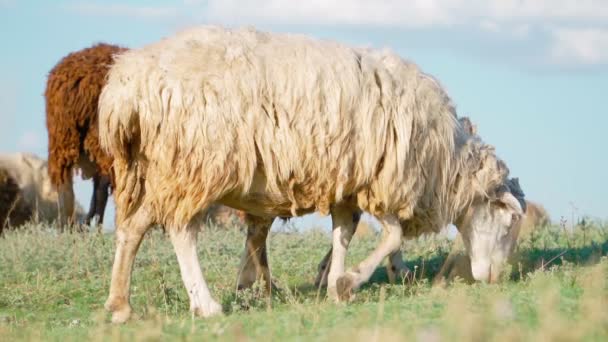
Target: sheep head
[
  {"x": 490, "y": 229},
  {"x": 491, "y": 222}
]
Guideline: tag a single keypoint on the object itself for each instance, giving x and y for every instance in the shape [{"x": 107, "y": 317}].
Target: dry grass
[{"x": 52, "y": 287}]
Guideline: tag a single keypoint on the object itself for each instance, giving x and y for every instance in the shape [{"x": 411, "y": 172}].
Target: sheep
[
  {"x": 284, "y": 125},
  {"x": 71, "y": 96},
  {"x": 13, "y": 211},
  {"x": 536, "y": 216},
  {"x": 457, "y": 263},
  {"x": 30, "y": 173}
]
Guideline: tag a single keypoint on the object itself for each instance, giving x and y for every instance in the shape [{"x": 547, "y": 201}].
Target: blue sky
[{"x": 532, "y": 74}]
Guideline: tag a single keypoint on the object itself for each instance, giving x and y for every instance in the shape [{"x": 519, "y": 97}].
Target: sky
[{"x": 531, "y": 74}]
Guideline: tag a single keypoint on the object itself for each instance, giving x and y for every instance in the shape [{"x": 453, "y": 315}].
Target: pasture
[{"x": 53, "y": 287}]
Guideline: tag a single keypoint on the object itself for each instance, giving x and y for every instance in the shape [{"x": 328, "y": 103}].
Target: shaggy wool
[
  {"x": 72, "y": 93},
  {"x": 282, "y": 125}
]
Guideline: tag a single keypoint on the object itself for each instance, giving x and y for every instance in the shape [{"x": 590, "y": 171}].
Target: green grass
[{"x": 53, "y": 286}]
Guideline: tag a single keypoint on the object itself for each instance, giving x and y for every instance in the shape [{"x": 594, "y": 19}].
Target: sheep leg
[
  {"x": 254, "y": 262},
  {"x": 396, "y": 269},
  {"x": 66, "y": 204},
  {"x": 353, "y": 279},
  {"x": 101, "y": 197},
  {"x": 129, "y": 235},
  {"x": 323, "y": 268},
  {"x": 92, "y": 209},
  {"x": 202, "y": 303},
  {"x": 343, "y": 230}
]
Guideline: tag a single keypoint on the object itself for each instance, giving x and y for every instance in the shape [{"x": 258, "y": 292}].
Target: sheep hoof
[
  {"x": 122, "y": 315},
  {"x": 345, "y": 288},
  {"x": 120, "y": 309}
]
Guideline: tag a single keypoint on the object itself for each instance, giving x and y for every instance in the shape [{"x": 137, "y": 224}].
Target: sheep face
[{"x": 489, "y": 233}]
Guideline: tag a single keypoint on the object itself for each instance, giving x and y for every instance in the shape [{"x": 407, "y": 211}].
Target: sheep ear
[{"x": 508, "y": 200}]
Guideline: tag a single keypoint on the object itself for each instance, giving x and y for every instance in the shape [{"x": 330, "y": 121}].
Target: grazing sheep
[
  {"x": 72, "y": 92},
  {"x": 457, "y": 263},
  {"x": 536, "y": 216},
  {"x": 13, "y": 211},
  {"x": 31, "y": 176},
  {"x": 284, "y": 125}
]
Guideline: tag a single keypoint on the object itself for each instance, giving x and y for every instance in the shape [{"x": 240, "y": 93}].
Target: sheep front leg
[
  {"x": 254, "y": 262},
  {"x": 342, "y": 233},
  {"x": 396, "y": 269},
  {"x": 129, "y": 235},
  {"x": 202, "y": 303},
  {"x": 323, "y": 268},
  {"x": 353, "y": 279}
]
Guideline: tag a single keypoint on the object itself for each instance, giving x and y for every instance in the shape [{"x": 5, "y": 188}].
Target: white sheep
[{"x": 283, "y": 125}]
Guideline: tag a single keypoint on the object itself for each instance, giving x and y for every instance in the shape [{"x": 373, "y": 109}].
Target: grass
[{"x": 53, "y": 286}]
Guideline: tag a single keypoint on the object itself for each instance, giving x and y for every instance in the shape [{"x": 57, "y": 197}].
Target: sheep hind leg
[
  {"x": 254, "y": 262},
  {"x": 129, "y": 234},
  {"x": 92, "y": 208},
  {"x": 202, "y": 303},
  {"x": 354, "y": 278},
  {"x": 66, "y": 204},
  {"x": 99, "y": 199}
]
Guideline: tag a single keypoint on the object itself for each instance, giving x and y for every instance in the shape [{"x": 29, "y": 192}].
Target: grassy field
[{"x": 53, "y": 286}]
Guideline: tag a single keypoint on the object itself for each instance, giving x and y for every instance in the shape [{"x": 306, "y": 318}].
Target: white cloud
[
  {"x": 580, "y": 46},
  {"x": 409, "y": 13},
  {"x": 531, "y": 22},
  {"x": 384, "y": 13},
  {"x": 418, "y": 13},
  {"x": 116, "y": 9}
]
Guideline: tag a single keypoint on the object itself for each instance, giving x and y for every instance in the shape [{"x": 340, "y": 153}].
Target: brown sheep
[{"x": 71, "y": 94}]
